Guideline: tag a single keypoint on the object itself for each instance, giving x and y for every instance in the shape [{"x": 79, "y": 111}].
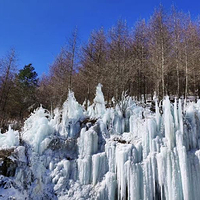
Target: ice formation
[
  {"x": 37, "y": 128},
  {"x": 71, "y": 116},
  {"x": 9, "y": 139},
  {"x": 97, "y": 109},
  {"x": 123, "y": 152}
]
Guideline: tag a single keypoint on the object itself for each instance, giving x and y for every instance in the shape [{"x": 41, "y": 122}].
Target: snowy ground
[{"x": 125, "y": 152}]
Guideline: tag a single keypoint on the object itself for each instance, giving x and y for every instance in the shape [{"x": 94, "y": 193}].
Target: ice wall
[
  {"x": 125, "y": 152},
  {"x": 157, "y": 159}
]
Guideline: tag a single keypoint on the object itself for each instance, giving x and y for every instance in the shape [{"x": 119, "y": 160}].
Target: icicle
[
  {"x": 84, "y": 169},
  {"x": 180, "y": 116},
  {"x": 182, "y": 154},
  {"x": 99, "y": 167},
  {"x": 99, "y": 102},
  {"x": 55, "y": 119},
  {"x": 88, "y": 142},
  {"x": 176, "y": 115},
  {"x": 157, "y": 115},
  {"x": 168, "y": 123},
  {"x": 71, "y": 116}
]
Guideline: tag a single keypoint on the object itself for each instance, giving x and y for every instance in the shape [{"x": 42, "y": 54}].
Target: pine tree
[{"x": 26, "y": 85}]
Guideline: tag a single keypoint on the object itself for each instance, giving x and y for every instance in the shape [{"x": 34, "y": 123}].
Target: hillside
[{"x": 121, "y": 152}]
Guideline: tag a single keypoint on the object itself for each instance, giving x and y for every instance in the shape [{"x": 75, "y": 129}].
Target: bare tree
[
  {"x": 94, "y": 61},
  {"x": 159, "y": 48},
  {"x": 140, "y": 56},
  {"x": 72, "y": 53},
  {"x": 119, "y": 56},
  {"x": 176, "y": 30},
  {"x": 160, "y": 55},
  {"x": 8, "y": 66}
]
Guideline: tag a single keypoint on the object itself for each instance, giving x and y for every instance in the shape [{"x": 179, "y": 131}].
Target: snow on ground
[{"x": 124, "y": 152}]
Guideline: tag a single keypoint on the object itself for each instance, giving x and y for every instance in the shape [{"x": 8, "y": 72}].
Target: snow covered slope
[{"x": 125, "y": 152}]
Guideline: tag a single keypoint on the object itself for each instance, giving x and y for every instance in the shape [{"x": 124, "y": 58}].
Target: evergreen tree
[
  {"x": 26, "y": 85},
  {"x": 27, "y": 77}
]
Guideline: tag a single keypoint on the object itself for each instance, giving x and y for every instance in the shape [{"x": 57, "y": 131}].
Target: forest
[{"x": 159, "y": 56}]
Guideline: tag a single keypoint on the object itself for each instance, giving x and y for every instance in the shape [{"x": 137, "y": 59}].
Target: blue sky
[{"x": 38, "y": 28}]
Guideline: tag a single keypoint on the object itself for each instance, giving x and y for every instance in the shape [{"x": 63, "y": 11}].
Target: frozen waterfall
[{"x": 125, "y": 152}]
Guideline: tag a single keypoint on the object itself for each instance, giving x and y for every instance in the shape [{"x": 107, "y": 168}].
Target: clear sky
[{"x": 38, "y": 28}]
